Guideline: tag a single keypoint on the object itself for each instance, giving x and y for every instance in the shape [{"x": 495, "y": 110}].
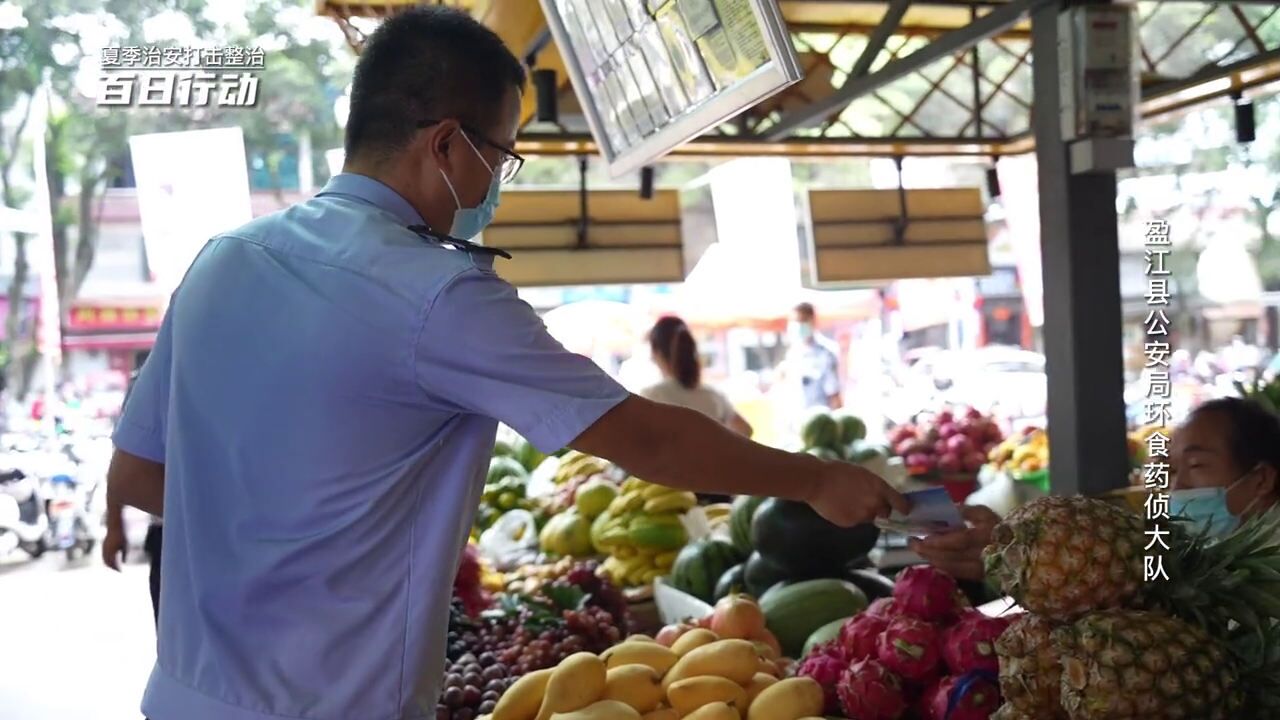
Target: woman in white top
[{"x": 676, "y": 354}]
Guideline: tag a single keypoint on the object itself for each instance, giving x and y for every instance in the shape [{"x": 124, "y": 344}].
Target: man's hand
[
  {"x": 849, "y": 495},
  {"x": 115, "y": 546},
  {"x": 959, "y": 553}
]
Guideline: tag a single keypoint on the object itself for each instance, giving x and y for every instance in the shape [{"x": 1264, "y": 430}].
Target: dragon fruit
[
  {"x": 974, "y": 696},
  {"x": 910, "y": 648},
  {"x": 825, "y": 664},
  {"x": 926, "y": 593},
  {"x": 870, "y": 691},
  {"x": 859, "y": 633},
  {"x": 970, "y": 644},
  {"x": 883, "y": 607},
  {"x": 923, "y": 705}
]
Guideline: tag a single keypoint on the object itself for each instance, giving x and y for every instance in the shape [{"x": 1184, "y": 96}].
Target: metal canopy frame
[{"x": 916, "y": 77}]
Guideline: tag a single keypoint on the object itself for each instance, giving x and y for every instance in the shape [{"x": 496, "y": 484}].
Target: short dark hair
[
  {"x": 805, "y": 310},
  {"x": 1253, "y": 431},
  {"x": 427, "y": 63}
]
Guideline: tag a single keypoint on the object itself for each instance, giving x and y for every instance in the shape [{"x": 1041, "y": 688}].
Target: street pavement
[{"x": 78, "y": 639}]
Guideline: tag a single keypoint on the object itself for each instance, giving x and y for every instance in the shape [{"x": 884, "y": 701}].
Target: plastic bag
[
  {"x": 542, "y": 481},
  {"x": 511, "y": 541}
]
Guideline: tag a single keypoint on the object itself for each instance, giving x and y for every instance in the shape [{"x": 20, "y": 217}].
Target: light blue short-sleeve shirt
[{"x": 324, "y": 393}]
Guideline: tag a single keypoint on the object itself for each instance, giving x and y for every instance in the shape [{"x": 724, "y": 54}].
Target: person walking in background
[
  {"x": 675, "y": 352},
  {"x": 811, "y": 367}
]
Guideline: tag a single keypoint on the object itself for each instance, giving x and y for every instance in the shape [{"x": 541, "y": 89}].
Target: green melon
[
  {"x": 825, "y": 453},
  {"x": 821, "y": 431},
  {"x": 760, "y": 574},
  {"x": 733, "y": 580},
  {"x": 795, "y": 612},
  {"x": 860, "y": 451},
  {"x": 700, "y": 564},
  {"x": 500, "y": 467},
  {"x": 501, "y": 448},
  {"x": 824, "y": 634},
  {"x": 851, "y": 428},
  {"x": 744, "y": 507},
  {"x": 794, "y": 536}
]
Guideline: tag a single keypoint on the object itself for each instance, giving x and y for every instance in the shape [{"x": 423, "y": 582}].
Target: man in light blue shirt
[{"x": 315, "y": 420}]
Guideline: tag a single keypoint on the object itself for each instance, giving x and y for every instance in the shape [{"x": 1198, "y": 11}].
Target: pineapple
[
  {"x": 1122, "y": 664},
  {"x": 1062, "y": 558},
  {"x": 1029, "y": 670}
]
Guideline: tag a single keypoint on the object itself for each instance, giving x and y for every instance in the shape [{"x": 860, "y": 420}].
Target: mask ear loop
[
  {"x": 449, "y": 183},
  {"x": 1248, "y": 508}
]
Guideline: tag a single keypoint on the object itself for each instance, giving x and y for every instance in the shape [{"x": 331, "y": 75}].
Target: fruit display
[
  {"x": 696, "y": 675},
  {"x": 1102, "y": 644},
  {"x": 1025, "y": 453},
  {"x": 520, "y": 450},
  {"x": 505, "y": 489},
  {"x": 922, "y": 654},
  {"x": 946, "y": 444},
  {"x": 574, "y": 464},
  {"x": 468, "y": 586},
  {"x": 795, "y": 611},
  {"x": 834, "y": 433},
  {"x": 641, "y": 532},
  {"x": 700, "y": 565}
]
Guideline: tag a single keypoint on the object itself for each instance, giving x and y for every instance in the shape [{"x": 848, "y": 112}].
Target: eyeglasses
[{"x": 509, "y": 162}]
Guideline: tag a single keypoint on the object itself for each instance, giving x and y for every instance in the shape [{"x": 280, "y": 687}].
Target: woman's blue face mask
[{"x": 1206, "y": 510}]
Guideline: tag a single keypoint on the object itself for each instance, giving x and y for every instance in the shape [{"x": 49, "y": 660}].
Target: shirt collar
[{"x": 374, "y": 192}]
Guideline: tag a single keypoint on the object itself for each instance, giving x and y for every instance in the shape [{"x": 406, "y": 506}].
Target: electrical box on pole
[{"x": 1098, "y": 85}]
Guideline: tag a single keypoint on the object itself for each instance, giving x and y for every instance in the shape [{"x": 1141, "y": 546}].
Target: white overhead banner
[{"x": 191, "y": 186}]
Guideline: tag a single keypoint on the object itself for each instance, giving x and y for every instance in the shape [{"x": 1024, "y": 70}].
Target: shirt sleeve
[
  {"x": 483, "y": 350},
  {"x": 144, "y": 419}
]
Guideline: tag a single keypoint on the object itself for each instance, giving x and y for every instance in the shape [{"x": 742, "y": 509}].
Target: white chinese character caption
[
  {"x": 177, "y": 77},
  {"x": 1158, "y": 410}
]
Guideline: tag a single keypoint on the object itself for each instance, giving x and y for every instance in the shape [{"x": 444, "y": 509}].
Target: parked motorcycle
[{"x": 24, "y": 523}]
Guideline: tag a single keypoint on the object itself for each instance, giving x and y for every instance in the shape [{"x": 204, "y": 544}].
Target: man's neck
[{"x": 396, "y": 177}]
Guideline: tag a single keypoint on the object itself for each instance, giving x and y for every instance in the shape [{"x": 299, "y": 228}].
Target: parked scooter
[
  {"x": 73, "y": 526},
  {"x": 23, "y": 520}
]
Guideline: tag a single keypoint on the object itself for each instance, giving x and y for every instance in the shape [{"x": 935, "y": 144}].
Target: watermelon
[
  {"x": 821, "y": 431},
  {"x": 860, "y": 451},
  {"x": 824, "y": 634},
  {"x": 744, "y": 508},
  {"x": 699, "y": 566},
  {"x": 528, "y": 455},
  {"x": 824, "y": 453},
  {"x": 851, "y": 428},
  {"x": 501, "y": 467},
  {"x": 794, "y": 536},
  {"x": 502, "y": 448},
  {"x": 872, "y": 583},
  {"x": 733, "y": 580},
  {"x": 794, "y": 612},
  {"x": 760, "y": 574}
]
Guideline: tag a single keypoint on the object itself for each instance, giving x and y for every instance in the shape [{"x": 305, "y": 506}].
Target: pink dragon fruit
[
  {"x": 970, "y": 644},
  {"x": 923, "y": 705},
  {"x": 859, "y": 633},
  {"x": 870, "y": 691},
  {"x": 964, "y": 697},
  {"x": 883, "y": 607},
  {"x": 825, "y": 664},
  {"x": 926, "y": 593},
  {"x": 910, "y": 648}
]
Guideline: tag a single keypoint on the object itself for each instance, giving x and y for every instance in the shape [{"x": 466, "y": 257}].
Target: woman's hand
[{"x": 959, "y": 553}]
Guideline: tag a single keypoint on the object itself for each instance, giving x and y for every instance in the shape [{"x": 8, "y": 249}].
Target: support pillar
[{"x": 1079, "y": 239}]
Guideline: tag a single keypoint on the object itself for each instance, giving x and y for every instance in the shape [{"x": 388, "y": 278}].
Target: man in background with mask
[
  {"x": 811, "y": 368},
  {"x": 316, "y": 418}
]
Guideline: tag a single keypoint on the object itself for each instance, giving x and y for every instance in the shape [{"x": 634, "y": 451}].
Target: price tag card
[{"x": 932, "y": 511}]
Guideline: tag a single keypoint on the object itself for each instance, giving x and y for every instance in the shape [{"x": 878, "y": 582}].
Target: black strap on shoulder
[{"x": 427, "y": 233}]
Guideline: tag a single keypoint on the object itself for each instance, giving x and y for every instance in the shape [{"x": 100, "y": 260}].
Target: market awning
[
  {"x": 602, "y": 237},
  {"x": 868, "y": 235}
]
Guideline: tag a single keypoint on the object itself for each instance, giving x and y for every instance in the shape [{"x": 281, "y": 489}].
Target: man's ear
[{"x": 1268, "y": 480}]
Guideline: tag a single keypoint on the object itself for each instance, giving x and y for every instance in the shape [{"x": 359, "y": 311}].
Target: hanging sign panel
[{"x": 653, "y": 74}]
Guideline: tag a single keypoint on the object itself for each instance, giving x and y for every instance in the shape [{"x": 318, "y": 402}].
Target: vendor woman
[{"x": 1224, "y": 468}]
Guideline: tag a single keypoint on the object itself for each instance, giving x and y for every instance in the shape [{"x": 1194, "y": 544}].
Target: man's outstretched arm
[{"x": 682, "y": 448}]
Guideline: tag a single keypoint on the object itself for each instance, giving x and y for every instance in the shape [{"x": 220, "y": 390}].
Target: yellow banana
[
  {"x": 665, "y": 559},
  {"x": 654, "y": 491},
  {"x": 671, "y": 502},
  {"x": 624, "y": 552}
]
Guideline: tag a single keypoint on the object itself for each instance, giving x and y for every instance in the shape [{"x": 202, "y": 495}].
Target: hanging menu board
[{"x": 653, "y": 74}]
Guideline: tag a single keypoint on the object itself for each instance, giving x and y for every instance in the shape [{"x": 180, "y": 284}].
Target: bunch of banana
[
  {"x": 641, "y": 532},
  {"x": 575, "y": 464},
  {"x": 718, "y": 515}
]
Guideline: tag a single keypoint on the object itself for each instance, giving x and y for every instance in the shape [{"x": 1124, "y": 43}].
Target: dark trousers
[{"x": 152, "y": 545}]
